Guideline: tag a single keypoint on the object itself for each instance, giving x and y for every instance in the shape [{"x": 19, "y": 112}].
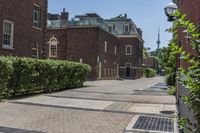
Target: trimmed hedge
[
  {"x": 149, "y": 72},
  {"x": 23, "y": 76}
]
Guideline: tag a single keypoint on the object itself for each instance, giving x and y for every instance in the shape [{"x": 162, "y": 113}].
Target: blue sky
[{"x": 147, "y": 14}]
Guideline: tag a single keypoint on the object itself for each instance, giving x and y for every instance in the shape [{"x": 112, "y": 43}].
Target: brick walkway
[{"x": 103, "y": 107}]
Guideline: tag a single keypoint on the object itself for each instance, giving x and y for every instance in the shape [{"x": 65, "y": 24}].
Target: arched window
[{"x": 53, "y": 47}]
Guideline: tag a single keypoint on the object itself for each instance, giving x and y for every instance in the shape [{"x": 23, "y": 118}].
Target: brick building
[
  {"x": 131, "y": 48},
  {"x": 87, "y": 39},
  {"x": 22, "y": 27},
  {"x": 192, "y": 10},
  {"x": 151, "y": 62}
]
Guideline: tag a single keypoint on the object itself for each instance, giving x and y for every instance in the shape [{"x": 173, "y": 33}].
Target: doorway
[{"x": 128, "y": 70}]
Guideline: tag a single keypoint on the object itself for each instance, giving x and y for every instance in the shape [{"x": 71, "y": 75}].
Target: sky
[{"x": 146, "y": 14}]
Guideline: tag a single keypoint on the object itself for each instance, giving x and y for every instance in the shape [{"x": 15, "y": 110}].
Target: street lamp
[{"x": 169, "y": 10}]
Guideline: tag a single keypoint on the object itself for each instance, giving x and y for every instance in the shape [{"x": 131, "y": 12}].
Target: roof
[{"x": 90, "y": 15}]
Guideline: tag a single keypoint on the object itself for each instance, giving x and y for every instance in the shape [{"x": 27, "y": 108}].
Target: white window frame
[
  {"x": 112, "y": 28},
  {"x": 115, "y": 50},
  {"x": 5, "y": 46},
  {"x": 105, "y": 47},
  {"x": 53, "y": 42},
  {"x": 130, "y": 46},
  {"x": 81, "y": 60},
  {"x": 125, "y": 28},
  {"x": 39, "y": 16}
]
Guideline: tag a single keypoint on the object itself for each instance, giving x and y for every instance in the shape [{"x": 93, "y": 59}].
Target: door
[{"x": 128, "y": 70}]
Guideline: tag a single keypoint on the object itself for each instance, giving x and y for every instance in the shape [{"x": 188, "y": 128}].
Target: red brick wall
[
  {"x": 192, "y": 10},
  {"x": 82, "y": 43},
  {"x": 88, "y": 43},
  {"x": 21, "y": 13},
  {"x": 110, "y": 57},
  {"x": 136, "y": 59},
  {"x": 151, "y": 62},
  {"x": 61, "y": 36}
]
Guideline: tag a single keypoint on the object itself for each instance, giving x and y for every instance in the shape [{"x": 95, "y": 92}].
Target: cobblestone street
[{"x": 100, "y": 107}]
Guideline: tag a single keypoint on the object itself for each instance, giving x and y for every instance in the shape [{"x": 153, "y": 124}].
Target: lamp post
[{"x": 169, "y": 10}]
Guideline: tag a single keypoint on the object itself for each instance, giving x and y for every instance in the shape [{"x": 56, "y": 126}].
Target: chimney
[
  {"x": 64, "y": 15},
  {"x": 125, "y": 15}
]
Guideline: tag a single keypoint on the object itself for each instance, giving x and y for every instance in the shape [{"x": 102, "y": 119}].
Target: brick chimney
[{"x": 64, "y": 15}]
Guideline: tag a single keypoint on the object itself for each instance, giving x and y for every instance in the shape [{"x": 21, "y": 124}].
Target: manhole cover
[{"x": 154, "y": 124}]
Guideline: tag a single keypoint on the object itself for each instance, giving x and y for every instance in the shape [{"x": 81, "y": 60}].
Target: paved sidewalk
[{"x": 102, "y": 107}]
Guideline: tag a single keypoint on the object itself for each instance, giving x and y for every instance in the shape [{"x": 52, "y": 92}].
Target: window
[
  {"x": 37, "y": 16},
  {"x": 98, "y": 59},
  {"x": 115, "y": 50},
  {"x": 128, "y": 49},
  {"x": 8, "y": 30},
  {"x": 81, "y": 60},
  {"x": 53, "y": 47},
  {"x": 72, "y": 58},
  {"x": 35, "y": 50},
  {"x": 111, "y": 28},
  {"x": 105, "y": 46},
  {"x": 126, "y": 28}
]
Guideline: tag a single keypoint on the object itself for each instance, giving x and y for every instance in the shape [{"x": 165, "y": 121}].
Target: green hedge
[
  {"x": 20, "y": 76},
  {"x": 172, "y": 90},
  {"x": 171, "y": 79},
  {"x": 149, "y": 72}
]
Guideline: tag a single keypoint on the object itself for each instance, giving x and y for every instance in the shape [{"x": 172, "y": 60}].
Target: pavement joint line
[
  {"x": 94, "y": 110},
  {"x": 109, "y": 93},
  {"x": 99, "y": 99}
]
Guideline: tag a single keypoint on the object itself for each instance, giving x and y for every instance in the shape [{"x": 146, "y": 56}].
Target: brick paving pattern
[{"x": 103, "y": 107}]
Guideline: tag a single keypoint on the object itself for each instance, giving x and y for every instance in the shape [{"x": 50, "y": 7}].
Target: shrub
[
  {"x": 149, "y": 72},
  {"x": 171, "y": 90},
  {"x": 5, "y": 72},
  {"x": 171, "y": 79},
  {"x": 20, "y": 76}
]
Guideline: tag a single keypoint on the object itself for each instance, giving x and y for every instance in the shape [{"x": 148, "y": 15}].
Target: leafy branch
[{"x": 189, "y": 76}]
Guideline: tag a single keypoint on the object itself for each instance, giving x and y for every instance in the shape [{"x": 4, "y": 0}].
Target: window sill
[
  {"x": 37, "y": 28},
  {"x": 7, "y": 47}
]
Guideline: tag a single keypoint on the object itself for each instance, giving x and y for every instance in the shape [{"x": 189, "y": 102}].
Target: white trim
[
  {"x": 112, "y": 27},
  {"x": 4, "y": 46},
  {"x": 105, "y": 47},
  {"x": 128, "y": 27},
  {"x": 130, "y": 46},
  {"x": 115, "y": 50},
  {"x": 98, "y": 59},
  {"x": 53, "y": 42},
  {"x": 131, "y": 36},
  {"x": 126, "y": 64},
  {"x": 39, "y": 17},
  {"x": 81, "y": 60}
]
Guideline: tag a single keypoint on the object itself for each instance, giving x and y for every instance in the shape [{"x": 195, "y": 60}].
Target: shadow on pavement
[{"x": 16, "y": 130}]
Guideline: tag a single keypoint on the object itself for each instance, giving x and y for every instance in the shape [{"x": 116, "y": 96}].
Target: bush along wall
[
  {"x": 149, "y": 72},
  {"x": 24, "y": 76}
]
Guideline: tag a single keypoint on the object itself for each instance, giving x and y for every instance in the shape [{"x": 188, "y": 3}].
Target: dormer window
[
  {"x": 126, "y": 28},
  {"x": 111, "y": 28}
]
